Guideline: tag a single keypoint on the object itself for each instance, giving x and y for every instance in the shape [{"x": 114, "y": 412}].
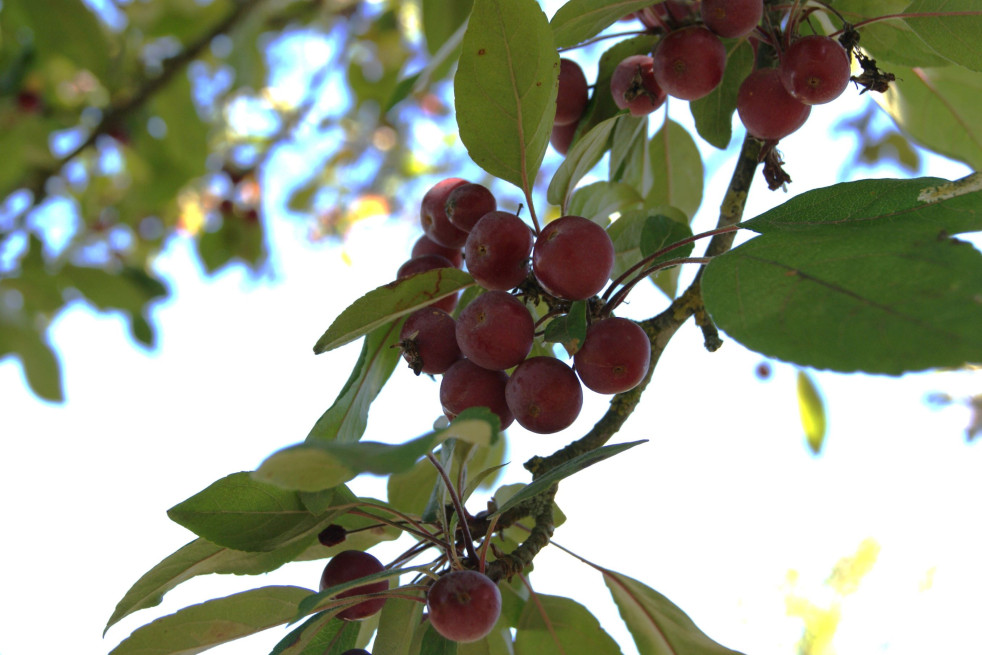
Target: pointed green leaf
[
  {"x": 436, "y": 644},
  {"x": 578, "y": 20},
  {"x": 553, "y": 624},
  {"x": 676, "y": 169},
  {"x": 628, "y": 153},
  {"x": 812, "y": 411},
  {"x": 322, "y": 634},
  {"x": 505, "y": 88},
  {"x": 889, "y": 41},
  {"x": 569, "y": 329},
  {"x": 565, "y": 470},
  {"x": 713, "y": 113},
  {"x": 390, "y": 301},
  {"x": 39, "y": 361},
  {"x": 600, "y": 200},
  {"x": 950, "y": 27},
  {"x": 659, "y": 627},
  {"x": 580, "y": 160},
  {"x": 628, "y": 232},
  {"x": 199, "y": 627},
  {"x": 398, "y": 622}
]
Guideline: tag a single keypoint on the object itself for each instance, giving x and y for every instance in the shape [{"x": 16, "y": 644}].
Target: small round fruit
[
  {"x": 815, "y": 69},
  {"x": 689, "y": 63},
  {"x": 544, "y": 394},
  {"x": 498, "y": 250},
  {"x": 428, "y": 263},
  {"x": 614, "y": 356},
  {"x": 467, "y": 203},
  {"x": 466, "y": 385},
  {"x": 426, "y": 246},
  {"x": 572, "y": 258},
  {"x": 766, "y": 109},
  {"x": 463, "y": 605},
  {"x": 562, "y": 137},
  {"x": 351, "y": 565},
  {"x": 429, "y": 341},
  {"x": 433, "y": 214},
  {"x": 495, "y": 331},
  {"x": 732, "y": 19},
  {"x": 332, "y": 535},
  {"x": 572, "y": 96},
  {"x": 634, "y": 87}
]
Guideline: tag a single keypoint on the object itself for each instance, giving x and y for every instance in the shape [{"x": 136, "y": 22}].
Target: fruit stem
[
  {"x": 421, "y": 533},
  {"x": 462, "y": 516},
  {"x": 621, "y": 294}
]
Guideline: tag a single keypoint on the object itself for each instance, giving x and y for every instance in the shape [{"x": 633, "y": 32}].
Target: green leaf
[
  {"x": 505, "y": 88},
  {"x": 713, "y": 113},
  {"x": 939, "y": 108},
  {"x": 390, "y": 301},
  {"x": 888, "y": 40},
  {"x": 199, "y": 627},
  {"x": 325, "y": 599},
  {"x": 200, "y": 557},
  {"x": 628, "y": 149},
  {"x": 950, "y": 27},
  {"x": 812, "y": 411},
  {"x": 243, "y": 513},
  {"x": 323, "y": 634},
  {"x": 399, "y": 620},
  {"x": 569, "y": 329},
  {"x": 860, "y": 299},
  {"x": 578, "y": 20},
  {"x": 553, "y": 624},
  {"x": 441, "y": 19},
  {"x": 580, "y": 160},
  {"x": 659, "y": 627},
  {"x": 661, "y": 231},
  {"x": 346, "y": 419},
  {"x": 37, "y": 358},
  {"x": 602, "y": 106},
  {"x": 676, "y": 168},
  {"x": 565, "y": 470},
  {"x": 600, "y": 200},
  {"x": 76, "y": 37},
  {"x": 363, "y": 532},
  {"x": 632, "y": 228},
  {"x": 317, "y": 465},
  {"x": 436, "y": 644}
]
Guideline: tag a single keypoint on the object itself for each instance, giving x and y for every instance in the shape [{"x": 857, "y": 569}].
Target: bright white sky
[{"x": 714, "y": 511}]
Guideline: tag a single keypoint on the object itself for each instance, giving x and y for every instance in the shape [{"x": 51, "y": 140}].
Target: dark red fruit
[
  {"x": 332, "y": 535},
  {"x": 666, "y": 13},
  {"x": 468, "y": 203},
  {"x": 562, "y": 137},
  {"x": 614, "y": 356},
  {"x": 573, "y": 95},
  {"x": 426, "y": 246},
  {"x": 29, "y": 102},
  {"x": 464, "y": 605},
  {"x": 433, "y": 214},
  {"x": 356, "y": 651},
  {"x": 766, "y": 109},
  {"x": 351, "y": 565},
  {"x": 429, "y": 341},
  {"x": 428, "y": 263},
  {"x": 634, "y": 87},
  {"x": 732, "y": 19},
  {"x": 689, "y": 63},
  {"x": 572, "y": 258},
  {"x": 815, "y": 69},
  {"x": 763, "y": 371},
  {"x": 544, "y": 394},
  {"x": 495, "y": 331},
  {"x": 466, "y": 385},
  {"x": 497, "y": 251}
]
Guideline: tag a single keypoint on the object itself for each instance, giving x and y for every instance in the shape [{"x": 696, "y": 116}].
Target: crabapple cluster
[
  {"x": 689, "y": 60},
  {"x": 483, "y": 349}
]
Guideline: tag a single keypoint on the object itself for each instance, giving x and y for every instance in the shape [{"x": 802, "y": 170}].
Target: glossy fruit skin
[
  {"x": 433, "y": 335},
  {"x": 815, "y": 69},
  {"x": 495, "y": 331},
  {"x": 562, "y": 137},
  {"x": 573, "y": 93},
  {"x": 467, "y": 203},
  {"x": 544, "y": 395},
  {"x": 572, "y": 258},
  {"x": 428, "y": 263},
  {"x": 426, "y": 246},
  {"x": 466, "y": 385},
  {"x": 732, "y": 19},
  {"x": 498, "y": 250},
  {"x": 766, "y": 109},
  {"x": 463, "y": 605},
  {"x": 433, "y": 214},
  {"x": 689, "y": 63},
  {"x": 634, "y": 87},
  {"x": 350, "y": 565},
  {"x": 614, "y": 356}
]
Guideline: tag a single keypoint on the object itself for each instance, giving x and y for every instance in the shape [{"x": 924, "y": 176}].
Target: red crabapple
[
  {"x": 351, "y": 565},
  {"x": 572, "y": 258},
  {"x": 495, "y": 330},
  {"x": 634, "y": 87},
  {"x": 562, "y": 137},
  {"x": 766, "y": 109},
  {"x": 427, "y": 263},
  {"x": 498, "y": 249},
  {"x": 614, "y": 356},
  {"x": 467, "y": 203},
  {"x": 689, "y": 63},
  {"x": 426, "y": 246},
  {"x": 463, "y": 605},
  {"x": 433, "y": 214},
  {"x": 466, "y": 385},
  {"x": 429, "y": 341},
  {"x": 544, "y": 395},
  {"x": 815, "y": 69},
  {"x": 732, "y": 19},
  {"x": 573, "y": 94}
]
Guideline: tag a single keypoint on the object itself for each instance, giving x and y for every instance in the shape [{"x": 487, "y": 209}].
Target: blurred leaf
[
  {"x": 568, "y": 329},
  {"x": 390, "y": 301},
  {"x": 238, "y": 239},
  {"x": 199, "y": 627},
  {"x": 659, "y": 627},
  {"x": 578, "y": 20},
  {"x": 74, "y": 34},
  {"x": 713, "y": 113},
  {"x": 812, "y": 411},
  {"x": 950, "y": 27},
  {"x": 25, "y": 147},
  {"x": 600, "y": 200},
  {"x": 582, "y": 157},
  {"x": 553, "y": 624},
  {"x": 441, "y": 19},
  {"x": 37, "y": 358},
  {"x": 505, "y": 88},
  {"x": 676, "y": 168}
]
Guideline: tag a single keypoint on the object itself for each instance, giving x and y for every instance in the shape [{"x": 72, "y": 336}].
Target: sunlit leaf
[
  {"x": 578, "y": 20},
  {"x": 553, "y": 624},
  {"x": 582, "y": 157},
  {"x": 322, "y": 634},
  {"x": 950, "y": 27},
  {"x": 601, "y": 200},
  {"x": 812, "y": 411},
  {"x": 889, "y": 41}
]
